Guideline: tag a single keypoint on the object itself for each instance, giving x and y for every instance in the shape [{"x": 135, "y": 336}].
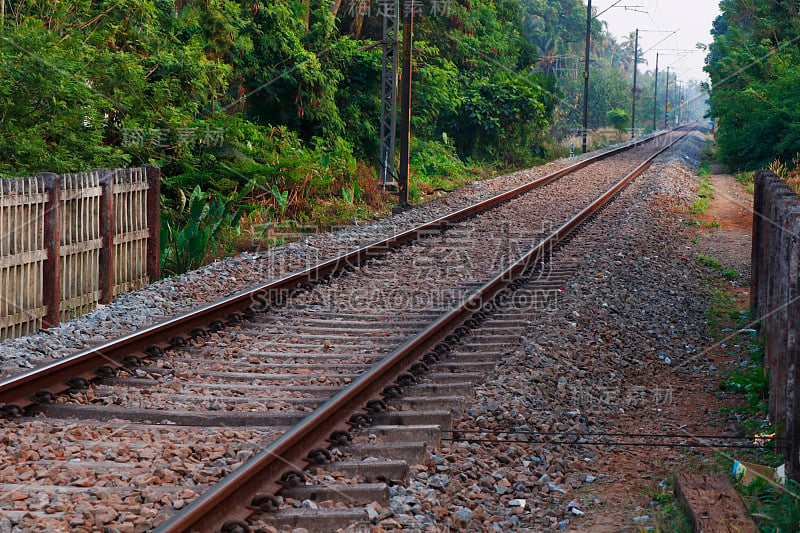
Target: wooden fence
[
  {"x": 71, "y": 241},
  {"x": 775, "y": 301}
]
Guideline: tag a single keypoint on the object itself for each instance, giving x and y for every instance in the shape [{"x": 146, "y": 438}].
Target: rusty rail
[
  {"x": 226, "y": 504},
  {"x": 42, "y": 383}
]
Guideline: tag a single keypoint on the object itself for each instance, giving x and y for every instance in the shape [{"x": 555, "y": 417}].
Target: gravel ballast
[
  {"x": 173, "y": 296},
  {"x": 625, "y": 333}
]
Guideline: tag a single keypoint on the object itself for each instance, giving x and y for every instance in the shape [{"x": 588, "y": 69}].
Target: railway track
[{"x": 353, "y": 366}]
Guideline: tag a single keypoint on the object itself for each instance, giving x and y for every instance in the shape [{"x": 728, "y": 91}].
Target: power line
[
  {"x": 609, "y": 7},
  {"x": 577, "y": 439},
  {"x": 592, "y": 443},
  {"x": 604, "y": 434},
  {"x": 661, "y": 41}
]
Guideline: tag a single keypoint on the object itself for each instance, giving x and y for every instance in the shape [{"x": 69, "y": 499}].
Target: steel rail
[
  {"x": 41, "y": 384},
  {"x": 224, "y": 505}
]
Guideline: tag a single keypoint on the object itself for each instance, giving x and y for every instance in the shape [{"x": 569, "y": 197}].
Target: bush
[
  {"x": 619, "y": 119},
  {"x": 190, "y": 232}
]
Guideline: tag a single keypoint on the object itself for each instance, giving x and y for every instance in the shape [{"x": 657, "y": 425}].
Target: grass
[
  {"x": 776, "y": 511},
  {"x": 716, "y": 264},
  {"x": 670, "y": 516},
  {"x": 709, "y": 261},
  {"x": 705, "y": 193},
  {"x": 703, "y": 224},
  {"x": 746, "y": 180},
  {"x": 753, "y": 384},
  {"x": 730, "y": 273},
  {"x": 721, "y": 304},
  {"x": 699, "y": 206},
  {"x": 706, "y": 190},
  {"x": 747, "y": 384},
  {"x": 437, "y": 169},
  {"x": 708, "y": 149}
]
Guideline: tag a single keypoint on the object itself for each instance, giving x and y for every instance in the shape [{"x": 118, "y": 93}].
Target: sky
[{"x": 692, "y": 19}]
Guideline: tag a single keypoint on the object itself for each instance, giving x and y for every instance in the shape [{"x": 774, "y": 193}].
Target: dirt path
[
  {"x": 732, "y": 208},
  {"x": 678, "y": 398}
]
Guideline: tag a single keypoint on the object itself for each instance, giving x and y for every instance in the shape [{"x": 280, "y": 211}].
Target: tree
[
  {"x": 754, "y": 65},
  {"x": 619, "y": 119}
]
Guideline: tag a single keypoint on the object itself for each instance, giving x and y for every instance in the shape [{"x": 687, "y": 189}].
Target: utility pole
[
  {"x": 389, "y": 63},
  {"x": 666, "y": 105},
  {"x": 405, "y": 102},
  {"x": 635, "y": 69},
  {"x": 655, "y": 96},
  {"x": 586, "y": 74}
]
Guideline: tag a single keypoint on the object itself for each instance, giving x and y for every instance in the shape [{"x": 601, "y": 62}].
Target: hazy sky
[{"x": 692, "y": 19}]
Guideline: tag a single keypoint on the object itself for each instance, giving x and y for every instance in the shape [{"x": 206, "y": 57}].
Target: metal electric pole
[
  {"x": 586, "y": 74},
  {"x": 391, "y": 35},
  {"x": 655, "y": 96},
  {"x": 635, "y": 69},
  {"x": 666, "y": 104},
  {"x": 405, "y": 102}
]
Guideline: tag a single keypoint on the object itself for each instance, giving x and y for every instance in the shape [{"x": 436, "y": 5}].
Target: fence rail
[
  {"x": 775, "y": 301},
  {"x": 71, "y": 241}
]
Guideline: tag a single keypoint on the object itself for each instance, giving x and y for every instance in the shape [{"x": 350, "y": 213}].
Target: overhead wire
[
  {"x": 603, "y": 434},
  {"x": 605, "y": 443},
  {"x": 578, "y": 439}
]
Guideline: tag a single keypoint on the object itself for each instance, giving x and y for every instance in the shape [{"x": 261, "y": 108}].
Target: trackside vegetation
[
  {"x": 264, "y": 115},
  {"x": 754, "y": 65}
]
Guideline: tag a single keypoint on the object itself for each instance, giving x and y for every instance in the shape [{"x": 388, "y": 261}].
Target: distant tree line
[
  {"x": 215, "y": 91},
  {"x": 270, "y": 109}
]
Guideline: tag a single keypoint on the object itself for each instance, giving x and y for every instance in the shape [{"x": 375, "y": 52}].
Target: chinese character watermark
[
  {"x": 166, "y": 138},
  {"x": 382, "y": 8}
]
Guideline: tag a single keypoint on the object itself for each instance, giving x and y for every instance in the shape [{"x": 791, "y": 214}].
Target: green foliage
[
  {"x": 716, "y": 264},
  {"x": 669, "y": 515},
  {"x": 618, "y": 119},
  {"x": 436, "y": 163},
  {"x": 755, "y": 70},
  {"x": 148, "y": 69},
  {"x": 51, "y": 118},
  {"x": 495, "y": 122},
  {"x": 699, "y": 206},
  {"x": 709, "y": 261},
  {"x": 705, "y": 190},
  {"x": 191, "y": 231},
  {"x": 776, "y": 510},
  {"x": 270, "y": 110},
  {"x": 746, "y": 180},
  {"x": 749, "y": 379},
  {"x": 751, "y": 382},
  {"x": 721, "y": 304}
]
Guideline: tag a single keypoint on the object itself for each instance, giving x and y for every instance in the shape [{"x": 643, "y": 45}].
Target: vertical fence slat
[
  {"x": 107, "y": 234},
  {"x": 52, "y": 238},
  {"x": 793, "y": 344},
  {"x": 756, "y": 256},
  {"x": 153, "y": 208}
]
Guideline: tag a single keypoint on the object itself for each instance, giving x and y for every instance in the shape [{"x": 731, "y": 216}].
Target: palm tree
[{"x": 628, "y": 49}]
